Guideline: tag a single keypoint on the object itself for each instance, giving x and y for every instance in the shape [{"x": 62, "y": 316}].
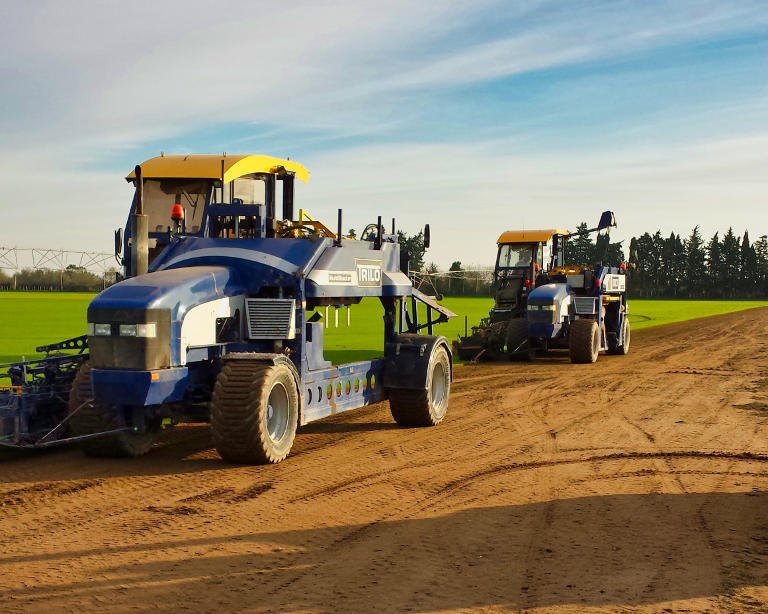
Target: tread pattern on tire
[
  {"x": 414, "y": 407},
  {"x": 93, "y": 418},
  {"x": 237, "y": 407},
  {"x": 581, "y": 342}
]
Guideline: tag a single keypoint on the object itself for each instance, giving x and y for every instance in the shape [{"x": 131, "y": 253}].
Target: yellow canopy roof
[
  {"x": 205, "y": 166},
  {"x": 530, "y": 236}
]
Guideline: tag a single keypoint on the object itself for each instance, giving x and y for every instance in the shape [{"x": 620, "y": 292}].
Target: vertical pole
[
  {"x": 139, "y": 230},
  {"x": 288, "y": 187},
  {"x": 390, "y": 318},
  {"x": 337, "y": 242},
  {"x": 269, "y": 199},
  {"x": 222, "y": 182}
]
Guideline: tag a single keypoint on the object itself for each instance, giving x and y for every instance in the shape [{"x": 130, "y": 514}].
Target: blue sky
[{"x": 475, "y": 117}]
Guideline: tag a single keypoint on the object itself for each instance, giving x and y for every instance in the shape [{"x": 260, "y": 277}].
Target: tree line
[
  {"x": 676, "y": 267},
  {"x": 72, "y": 279}
]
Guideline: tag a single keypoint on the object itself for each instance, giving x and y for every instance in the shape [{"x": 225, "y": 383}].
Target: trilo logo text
[{"x": 368, "y": 272}]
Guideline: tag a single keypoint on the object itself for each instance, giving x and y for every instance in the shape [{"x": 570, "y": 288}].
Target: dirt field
[{"x": 638, "y": 483}]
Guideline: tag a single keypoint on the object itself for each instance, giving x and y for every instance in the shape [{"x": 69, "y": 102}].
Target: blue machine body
[
  {"x": 194, "y": 272},
  {"x": 582, "y": 294},
  {"x": 226, "y": 281}
]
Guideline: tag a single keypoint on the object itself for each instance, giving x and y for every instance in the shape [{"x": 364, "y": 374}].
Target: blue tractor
[
  {"x": 219, "y": 317},
  {"x": 579, "y": 307},
  {"x": 542, "y": 303}
]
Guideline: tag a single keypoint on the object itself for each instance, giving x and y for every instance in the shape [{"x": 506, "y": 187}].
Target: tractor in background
[
  {"x": 521, "y": 257},
  {"x": 543, "y": 303},
  {"x": 219, "y": 319}
]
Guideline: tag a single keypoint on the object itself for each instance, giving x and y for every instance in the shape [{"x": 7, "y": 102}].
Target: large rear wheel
[
  {"x": 428, "y": 406},
  {"x": 88, "y": 417},
  {"x": 584, "y": 341},
  {"x": 254, "y": 412}
]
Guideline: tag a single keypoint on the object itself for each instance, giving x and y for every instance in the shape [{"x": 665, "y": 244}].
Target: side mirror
[
  {"x": 426, "y": 236},
  {"x": 118, "y": 242}
]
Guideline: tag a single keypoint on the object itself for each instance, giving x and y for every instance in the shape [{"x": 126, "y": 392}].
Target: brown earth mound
[{"x": 636, "y": 483}]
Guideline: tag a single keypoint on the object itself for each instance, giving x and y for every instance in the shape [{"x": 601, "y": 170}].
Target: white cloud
[
  {"x": 469, "y": 194},
  {"x": 85, "y": 82}
]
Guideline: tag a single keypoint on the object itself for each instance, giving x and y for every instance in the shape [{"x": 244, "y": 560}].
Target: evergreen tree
[
  {"x": 748, "y": 280},
  {"x": 731, "y": 263},
  {"x": 714, "y": 268},
  {"x": 579, "y": 249},
  {"x": 646, "y": 267},
  {"x": 414, "y": 247},
  {"x": 761, "y": 265},
  {"x": 695, "y": 264}
]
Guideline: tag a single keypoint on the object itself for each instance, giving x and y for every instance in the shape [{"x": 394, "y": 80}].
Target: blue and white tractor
[
  {"x": 580, "y": 307},
  {"x": 543, "y": 303},
  {"x": 219, "y": 317},
  {"x": 522, "y": 256}
]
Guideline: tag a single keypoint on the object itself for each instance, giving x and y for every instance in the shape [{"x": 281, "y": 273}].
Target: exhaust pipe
[{"x": 139, "y": 231}]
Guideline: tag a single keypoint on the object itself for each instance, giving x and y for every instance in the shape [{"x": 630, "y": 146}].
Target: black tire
[
  {"x": 254, "y": 412},
  {"x": 623, "y": 349},
  {"x": 516, "y": 338},
  {"x": 584, "y": 341},
  {"x": 93, "y": 418},
  {"x": 428, "y": 406}
]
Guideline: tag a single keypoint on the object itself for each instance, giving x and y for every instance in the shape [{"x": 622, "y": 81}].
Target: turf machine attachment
[{"x": 34, "y": 395}]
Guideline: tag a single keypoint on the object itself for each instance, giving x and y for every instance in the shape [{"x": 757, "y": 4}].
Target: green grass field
[{"x": 30, "y": 319}]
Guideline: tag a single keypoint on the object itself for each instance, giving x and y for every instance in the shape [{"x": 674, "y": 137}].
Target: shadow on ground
[{"x": 608, "y": 551}]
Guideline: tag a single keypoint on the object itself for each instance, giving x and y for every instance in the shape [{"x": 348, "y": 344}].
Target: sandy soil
[{"x": 637, "y": 483}]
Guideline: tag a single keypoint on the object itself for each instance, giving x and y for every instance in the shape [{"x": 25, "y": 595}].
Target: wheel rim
[
  {"x": 278, "y": 412},
  {"x": 438, "y": 388},
  {"x": 595, "y": 341}
]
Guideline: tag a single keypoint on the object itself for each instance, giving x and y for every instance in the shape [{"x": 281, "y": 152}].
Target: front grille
[
  {"x": 584, "y": 305},
  {"x": 541, "y": 317},
  {"x": 140, "y": 353},
  {"x": 270, "y": 318}
]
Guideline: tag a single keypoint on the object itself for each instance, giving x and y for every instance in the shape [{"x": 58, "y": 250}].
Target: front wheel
[
  {"x": 254, "y": 412},
  {"x": 584, "y": 342},
  {"x": 428, "y": 406}
]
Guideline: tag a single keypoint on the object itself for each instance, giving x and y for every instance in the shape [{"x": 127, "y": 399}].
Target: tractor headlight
[
  {"x": 99, "y": 330},
  {"x": 533, "y": 307},
  {"x": 138, "y": 330},
  {"x": 547, "y": 307}
]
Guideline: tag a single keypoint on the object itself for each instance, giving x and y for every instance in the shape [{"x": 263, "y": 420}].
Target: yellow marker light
[{"x": 155, "y": 377}]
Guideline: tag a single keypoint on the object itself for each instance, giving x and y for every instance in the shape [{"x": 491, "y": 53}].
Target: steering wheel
[{"x": 370, "y": 233}]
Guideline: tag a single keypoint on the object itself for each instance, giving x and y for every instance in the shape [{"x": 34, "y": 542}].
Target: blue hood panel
[
  {"x": 176, "y": 290},
  {"x": 548, "y": 294}
]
